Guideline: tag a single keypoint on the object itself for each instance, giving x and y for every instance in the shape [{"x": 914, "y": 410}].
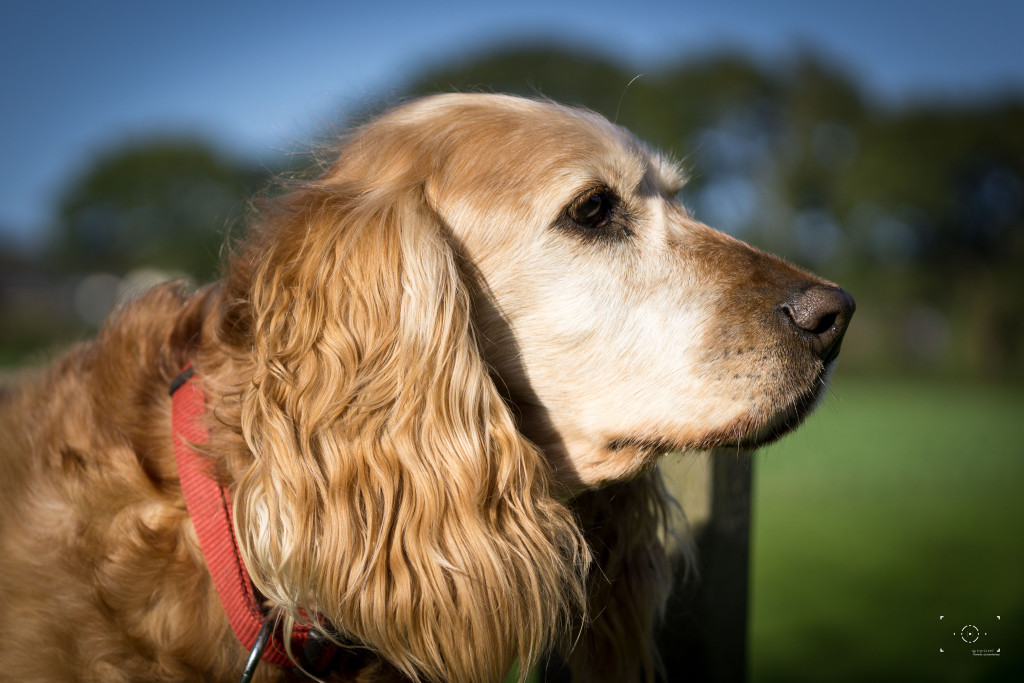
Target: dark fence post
[
  {"x": 703, "y": 638},
  {"x": 704, "y": 635}
]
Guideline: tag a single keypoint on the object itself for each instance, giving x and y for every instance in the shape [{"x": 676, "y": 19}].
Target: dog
[{"x": 413, "y": 432}]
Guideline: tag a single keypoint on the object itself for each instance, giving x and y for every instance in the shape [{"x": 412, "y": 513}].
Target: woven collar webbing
[{"x": 209, "y": 506}]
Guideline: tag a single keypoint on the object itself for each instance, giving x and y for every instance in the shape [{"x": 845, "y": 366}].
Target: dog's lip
[
  {"x": 759, "y": 434},
  {"x": 790, "y": 417},
  {"x": 783, "y": 422}
]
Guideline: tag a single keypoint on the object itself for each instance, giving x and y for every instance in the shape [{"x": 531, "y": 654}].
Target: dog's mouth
[
  {"x": 749, "y": 432},
  {"x": 784, "y": 421}
]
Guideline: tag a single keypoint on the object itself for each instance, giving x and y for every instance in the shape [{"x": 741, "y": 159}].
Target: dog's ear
[{"x": 390, "y": 490}]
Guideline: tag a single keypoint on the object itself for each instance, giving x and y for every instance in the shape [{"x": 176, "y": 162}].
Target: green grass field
[{"x": 897, "y": 503}]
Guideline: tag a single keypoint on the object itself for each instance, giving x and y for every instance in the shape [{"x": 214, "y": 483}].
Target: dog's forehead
[{"x": 539, "y": 141}]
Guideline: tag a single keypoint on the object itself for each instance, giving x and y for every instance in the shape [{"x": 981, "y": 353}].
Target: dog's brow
[
  {"x": 658, "y": 172},
  {"x": 670, "y": 174}
]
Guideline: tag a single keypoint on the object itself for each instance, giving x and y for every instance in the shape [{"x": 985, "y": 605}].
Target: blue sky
[{"x": 260, "y": 78}]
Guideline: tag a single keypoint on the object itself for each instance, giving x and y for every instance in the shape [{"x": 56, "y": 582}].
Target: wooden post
[
  {"x": 703, "y": 638},
  {"x": 704, "y": 635}
]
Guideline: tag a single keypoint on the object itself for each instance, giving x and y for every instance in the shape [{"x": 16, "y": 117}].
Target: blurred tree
[
  {"x": 572, "y": 77},
  {"x": 160, "y": 203}
]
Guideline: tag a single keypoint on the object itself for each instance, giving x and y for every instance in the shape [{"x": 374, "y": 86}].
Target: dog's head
[
  {"x": 618, "y": 325},
  {"x": 483, "y": 306}
]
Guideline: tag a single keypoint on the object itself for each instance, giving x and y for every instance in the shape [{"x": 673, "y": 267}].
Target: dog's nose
[{"x": 822, "y": 314}]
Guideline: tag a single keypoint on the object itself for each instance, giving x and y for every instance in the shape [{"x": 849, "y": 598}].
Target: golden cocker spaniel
[{"x": 426, "y": 403}]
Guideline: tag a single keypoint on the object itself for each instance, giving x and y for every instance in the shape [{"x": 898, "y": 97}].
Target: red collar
[{"x": 209, "y": 506}]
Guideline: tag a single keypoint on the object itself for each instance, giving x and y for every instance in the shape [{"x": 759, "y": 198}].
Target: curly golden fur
[{"x": 438, "y": 377}]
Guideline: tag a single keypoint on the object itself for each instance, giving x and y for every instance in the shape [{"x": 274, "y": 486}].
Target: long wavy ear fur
[{"x": 390, "y": 490}]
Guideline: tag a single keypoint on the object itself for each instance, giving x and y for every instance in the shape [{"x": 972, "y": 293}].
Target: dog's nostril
[
  {"x": 825, "y": 324},
  {"x": 822, "y": 313}
]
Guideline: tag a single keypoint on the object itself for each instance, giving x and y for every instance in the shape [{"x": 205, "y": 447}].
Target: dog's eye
[
  {"x": 594, "y": 210},
  {"x": 597, "y": 214}
]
